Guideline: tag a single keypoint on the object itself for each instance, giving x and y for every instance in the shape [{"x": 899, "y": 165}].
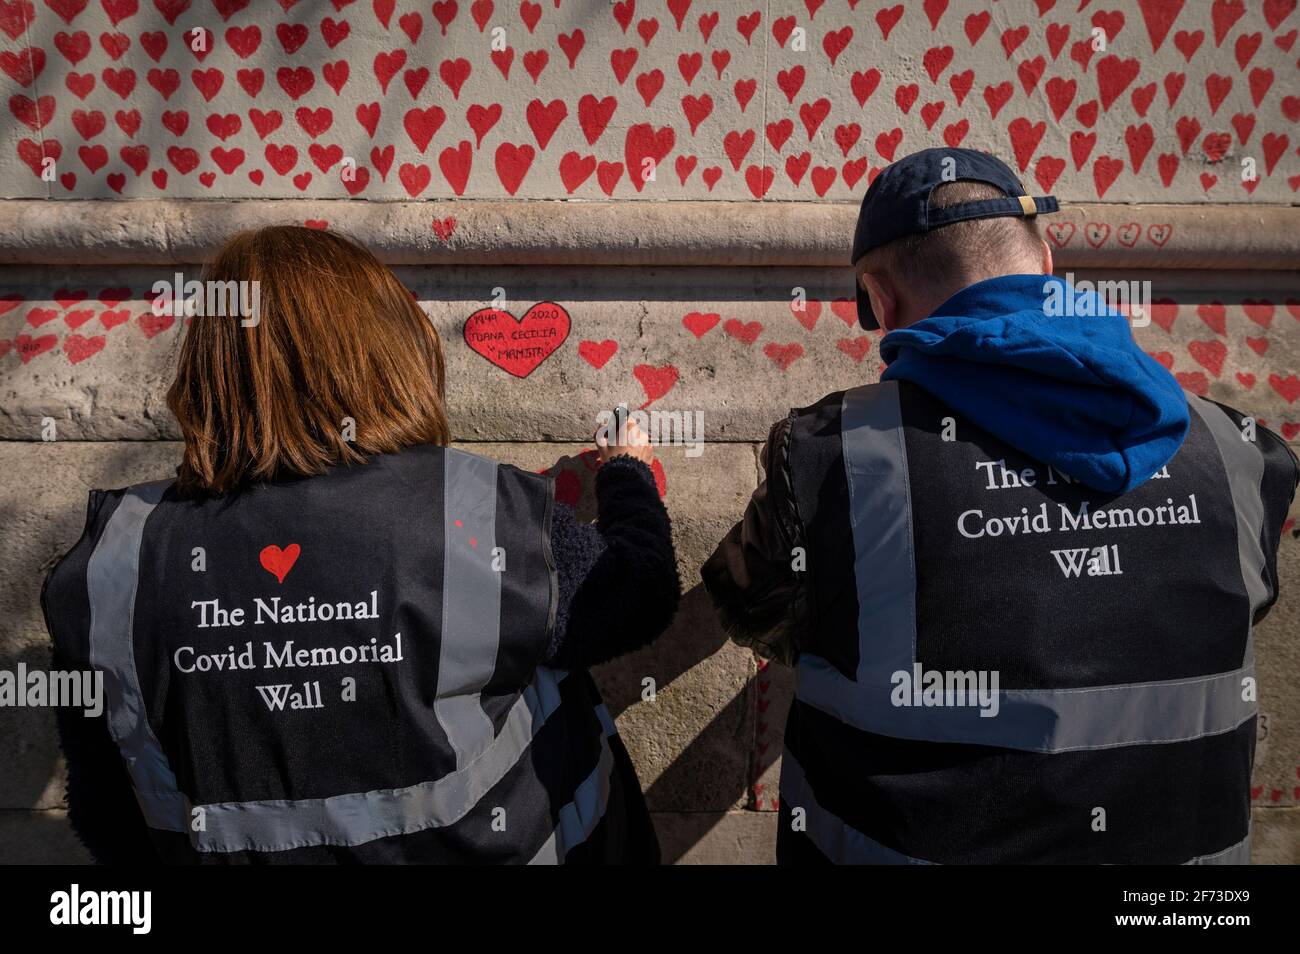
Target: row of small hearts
[
  {"x": 1159, "y": 17},
  {"x": 594, "y": 113},
  {"x": 512, "y": 164},
  {"x": 1164, "y": 311}
]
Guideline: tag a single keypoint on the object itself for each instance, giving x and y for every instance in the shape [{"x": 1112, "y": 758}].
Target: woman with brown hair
[{"x": 332, "y": 637}]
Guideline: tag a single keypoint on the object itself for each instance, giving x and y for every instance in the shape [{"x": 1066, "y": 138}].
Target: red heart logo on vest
[
  {"x": 518, "y": 345},
  {"x": 279, "y": 562}
]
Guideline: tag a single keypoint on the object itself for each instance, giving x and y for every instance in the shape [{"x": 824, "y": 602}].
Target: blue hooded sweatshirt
[{"x": 1072, "y": 390}]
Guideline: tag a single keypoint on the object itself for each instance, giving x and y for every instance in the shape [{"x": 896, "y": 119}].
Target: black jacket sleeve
[
  {"x": 1277, "y": 489},
  {"x": 102, "y": 808},
  {"x": 758, "y": 593},
  {"x": 618, "y": 581}
]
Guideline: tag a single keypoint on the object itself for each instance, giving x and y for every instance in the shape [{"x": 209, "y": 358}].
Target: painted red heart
[
  {"x": 1104, "y": 172},
  {"x": 746, "y": 331},
  {"x": 444, "y": 228},
  {"x": 454, "y": 161},
  {"x": 1288, "y": 387},
  {"x": 112, "y": 318},
  {"x": 1193, "y": 381},
  {"x": 544, "y": 119},
  {"x": 737, "y": 145},
  {"x": 656, "y": 381},
  {"x": 454, "y": 73},
  {"x": 153, "y": 325},
  {"x": 806, "y": 311},
  {"x": 597, "y": 353},
  {"x": 279, "y": 562},
  {"x": 1259, "y": 311},
  {"x": 75, "y": 319},
  {"x": 518, "y": 345},
  {"x": 1164, "y": 311},
  {"x": 855, "y": 348},
  {"x": 415, "y": 177},
  {"x": 700, "y": 324},
  {"x": 1214, "y": 315},
  {"x": 1166, "y": 358},
  {"x": 863, "y": 84},
  {"x": 779, "y": 132},
  {"x": 29, "y": 347},
  {"x": 512, "y": 164},
  {"x": 422, "y": 124},
  {"x": 1114, "y": 75},
  {"x": 79, "y": 348},
  {"x": 1209, "y": 355},
  {"x": 593, "y": 115},
  {"x": 644, "y": 149},
  {"x": 784, "y": 355}
]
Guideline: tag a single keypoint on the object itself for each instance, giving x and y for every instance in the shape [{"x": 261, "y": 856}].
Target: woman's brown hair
[{"x": 336, "y": 337}]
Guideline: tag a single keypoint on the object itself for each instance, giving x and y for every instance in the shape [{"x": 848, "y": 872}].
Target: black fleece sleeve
[
  {"x": 761, "y": 601},
  {"x": 618, "y": 581}
]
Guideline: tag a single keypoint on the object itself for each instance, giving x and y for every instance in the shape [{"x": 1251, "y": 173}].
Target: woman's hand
[{"x": 637, "y": 446}]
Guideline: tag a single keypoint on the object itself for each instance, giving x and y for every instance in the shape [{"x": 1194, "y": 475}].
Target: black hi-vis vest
[
  {"x": 345, "y": 667},
  {"x": 1008, "y": 666}
]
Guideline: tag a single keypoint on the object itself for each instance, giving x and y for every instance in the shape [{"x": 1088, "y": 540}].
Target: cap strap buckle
[{"x": 1028, "y": 206}]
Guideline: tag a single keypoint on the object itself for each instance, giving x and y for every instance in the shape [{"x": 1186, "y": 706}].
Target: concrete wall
[{"x": 678, "y": 290}]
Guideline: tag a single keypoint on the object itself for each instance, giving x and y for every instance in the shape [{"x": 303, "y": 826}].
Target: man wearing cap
[{"x": 1017, "y": 578}]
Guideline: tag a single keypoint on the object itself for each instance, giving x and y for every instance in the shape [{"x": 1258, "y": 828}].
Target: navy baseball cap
[{"x": 897, "y": 203}]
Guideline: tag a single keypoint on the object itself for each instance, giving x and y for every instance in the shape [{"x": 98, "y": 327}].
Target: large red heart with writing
[
  {"x": 279, "y": 562},
  {"x": 518, "y": 345}
]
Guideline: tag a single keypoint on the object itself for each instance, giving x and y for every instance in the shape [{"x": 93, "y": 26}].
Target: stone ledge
[{"x": 470, "y": 232}]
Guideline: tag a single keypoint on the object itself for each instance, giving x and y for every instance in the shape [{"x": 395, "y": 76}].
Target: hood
[{"x": 1073, "y": 391}]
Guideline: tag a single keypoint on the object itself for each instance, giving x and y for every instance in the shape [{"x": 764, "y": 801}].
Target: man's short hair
[{"x": 977, "y": 247}]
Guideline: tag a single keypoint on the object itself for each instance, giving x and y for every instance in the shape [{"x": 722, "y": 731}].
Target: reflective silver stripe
[
  {"x": 844, "y": 844},
  {"x": 579, "y": 818},
  {"x": 112, "y": 578},
  {"x": 352, "y": 819},
  {"x": 1048, "y": 720},
  {"x": 471, "y": 603},
  {"x": 607, "y": 725},
  {"x": 1244, "y": 465},
  {"x": 1238, "y": 854},
  {"x": 1042, "y": 720},
  {"x": 880, "y": 508}
]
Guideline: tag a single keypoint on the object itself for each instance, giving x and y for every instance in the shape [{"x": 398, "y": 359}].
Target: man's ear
[
  {"x": 1047, "y": 258},
  {"x": 884, "y": 304}
]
